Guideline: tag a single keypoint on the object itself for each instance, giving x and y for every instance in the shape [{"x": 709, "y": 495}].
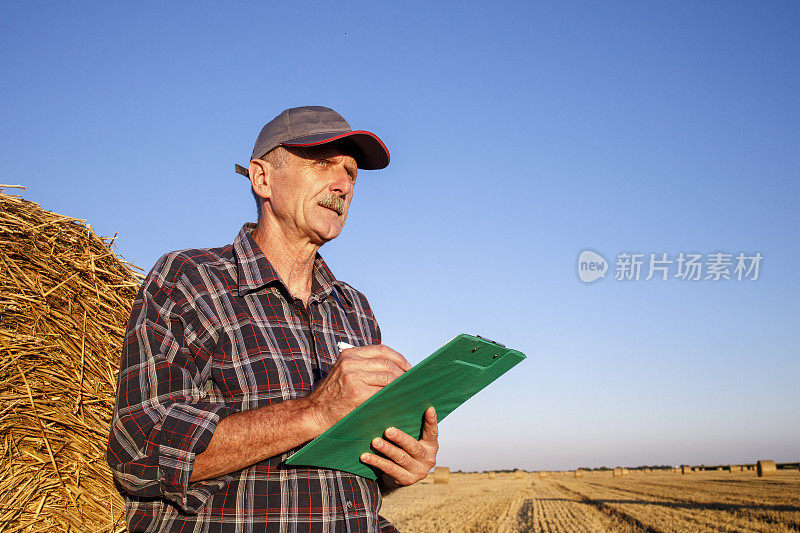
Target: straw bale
[
  {"x": 579, "y": 473},
  {"x": 492, "y": 475},
  {"x": 617, "y": 472},
  {"x": 542, "y": 474},
  {"x": 65, "y": 298},
  {"x": 766, "y": 468},
  {"x": 441, "y": 474},
  {"x": 686, "y": 470},
  {"x": 518, "y": 474},
  {"x": 735, "y": 468}
]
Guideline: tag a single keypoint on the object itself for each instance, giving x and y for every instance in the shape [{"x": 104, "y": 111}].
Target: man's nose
[{"x": 342, "y": 182}]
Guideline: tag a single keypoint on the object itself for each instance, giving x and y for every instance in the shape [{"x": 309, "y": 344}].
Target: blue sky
[{"x": 520, "y": 135}]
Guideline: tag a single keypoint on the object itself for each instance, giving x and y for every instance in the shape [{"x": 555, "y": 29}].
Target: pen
[{"x": 343, "y": 346}]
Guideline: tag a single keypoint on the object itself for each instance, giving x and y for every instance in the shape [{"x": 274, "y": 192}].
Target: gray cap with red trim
[{"x": 314, "y": 126}]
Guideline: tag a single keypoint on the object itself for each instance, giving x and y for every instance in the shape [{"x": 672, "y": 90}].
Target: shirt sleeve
[{"x": 161, "y": 419}]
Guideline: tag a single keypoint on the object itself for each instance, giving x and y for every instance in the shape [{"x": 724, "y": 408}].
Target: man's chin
[{"x": 328, "y": 233}]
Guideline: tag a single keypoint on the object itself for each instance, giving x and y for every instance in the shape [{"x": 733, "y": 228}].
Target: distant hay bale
[
  {"x": 735, "y": 468},
  {"x": 518, "y": 474},
  {"x": 686, "y": 470},
  {"x": 542, "y": 474},
  {"x": 65, "y": 299},
  {"x": 766, "y": 468},
  {"x": 720, "y": 469},
  {"x": 617, "y": 472},
  {"x": 579, "y": 473},
  {"x": 441, "y": 474},
  {"x": 492, "y": 475},
  {"x": 625, "y": 471}
]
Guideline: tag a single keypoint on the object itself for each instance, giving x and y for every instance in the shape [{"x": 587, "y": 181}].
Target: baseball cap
[{"x": 315, "y": 126}]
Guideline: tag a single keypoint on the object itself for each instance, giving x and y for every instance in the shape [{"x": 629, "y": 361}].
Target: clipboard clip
[{"x": 490, "y": 340}]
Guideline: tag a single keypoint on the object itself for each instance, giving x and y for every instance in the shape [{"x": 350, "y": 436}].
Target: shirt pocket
[{"x": 253, "y": 367}]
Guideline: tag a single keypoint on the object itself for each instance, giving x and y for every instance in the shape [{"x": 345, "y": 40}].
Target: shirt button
[{"x": 349, "y": 504}]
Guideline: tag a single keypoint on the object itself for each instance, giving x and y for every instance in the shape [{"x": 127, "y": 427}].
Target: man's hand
[
  {"x": 407, "y": 460},
  {"x": 357, "y": 374},
  {"x": 248, "y": 437}
]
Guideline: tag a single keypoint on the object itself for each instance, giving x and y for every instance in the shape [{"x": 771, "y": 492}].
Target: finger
[
  {"x": 380, "y": 364},
  {"x": 356, "y": 363},
  {"x": 430, "y": 430},
  {"x": 376, "y": 379},
  {"x": 390, "y": 468},
  {"x": 379, "y": 350},
  {"x": 409, "y": 444},
  {"x": 398, "y": 455}
]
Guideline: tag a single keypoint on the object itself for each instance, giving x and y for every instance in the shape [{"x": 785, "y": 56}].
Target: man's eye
[{"x": 323, "y": 163}]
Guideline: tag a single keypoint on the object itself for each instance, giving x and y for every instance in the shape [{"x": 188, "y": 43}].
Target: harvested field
[{"x": 660, "y": 501}]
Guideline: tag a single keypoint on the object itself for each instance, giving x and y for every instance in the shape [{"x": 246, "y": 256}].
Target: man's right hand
[
  {"x": 247, "y": 437},
  {"x": 357, "y": 374}
]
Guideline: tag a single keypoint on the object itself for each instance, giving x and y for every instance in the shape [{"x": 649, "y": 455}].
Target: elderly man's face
[{"x": 311, "y": 194}]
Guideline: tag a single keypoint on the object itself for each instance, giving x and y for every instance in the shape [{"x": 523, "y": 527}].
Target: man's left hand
[{"x": 407, "y": 460}]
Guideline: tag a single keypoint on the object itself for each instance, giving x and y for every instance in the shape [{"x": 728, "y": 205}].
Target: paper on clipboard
[{"x": 445, "y": 379}]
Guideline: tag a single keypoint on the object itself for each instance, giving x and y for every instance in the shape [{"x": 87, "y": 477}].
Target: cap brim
[{"x": 368, "y": 150}]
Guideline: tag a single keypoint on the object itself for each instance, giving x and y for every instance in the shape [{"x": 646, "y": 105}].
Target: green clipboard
[{"x": 445, "y": 379}]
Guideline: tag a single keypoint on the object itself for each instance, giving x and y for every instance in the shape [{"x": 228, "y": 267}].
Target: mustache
[{"x": 333, "y": 202}]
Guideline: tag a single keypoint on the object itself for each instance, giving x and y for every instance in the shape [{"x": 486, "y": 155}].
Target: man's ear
[{"x": 261, "y": 176}]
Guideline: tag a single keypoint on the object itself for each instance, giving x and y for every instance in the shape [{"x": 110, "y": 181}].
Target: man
[{"x": 230, "y": 361}]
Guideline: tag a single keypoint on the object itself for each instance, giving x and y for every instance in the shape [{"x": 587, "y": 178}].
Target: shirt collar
[{"x": 254, "y": 270}]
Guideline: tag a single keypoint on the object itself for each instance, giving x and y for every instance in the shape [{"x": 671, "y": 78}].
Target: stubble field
[{"x": 701, "y": 501}]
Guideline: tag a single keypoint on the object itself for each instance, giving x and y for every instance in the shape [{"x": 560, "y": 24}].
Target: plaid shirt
[{"x": 212, "y": 332}]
